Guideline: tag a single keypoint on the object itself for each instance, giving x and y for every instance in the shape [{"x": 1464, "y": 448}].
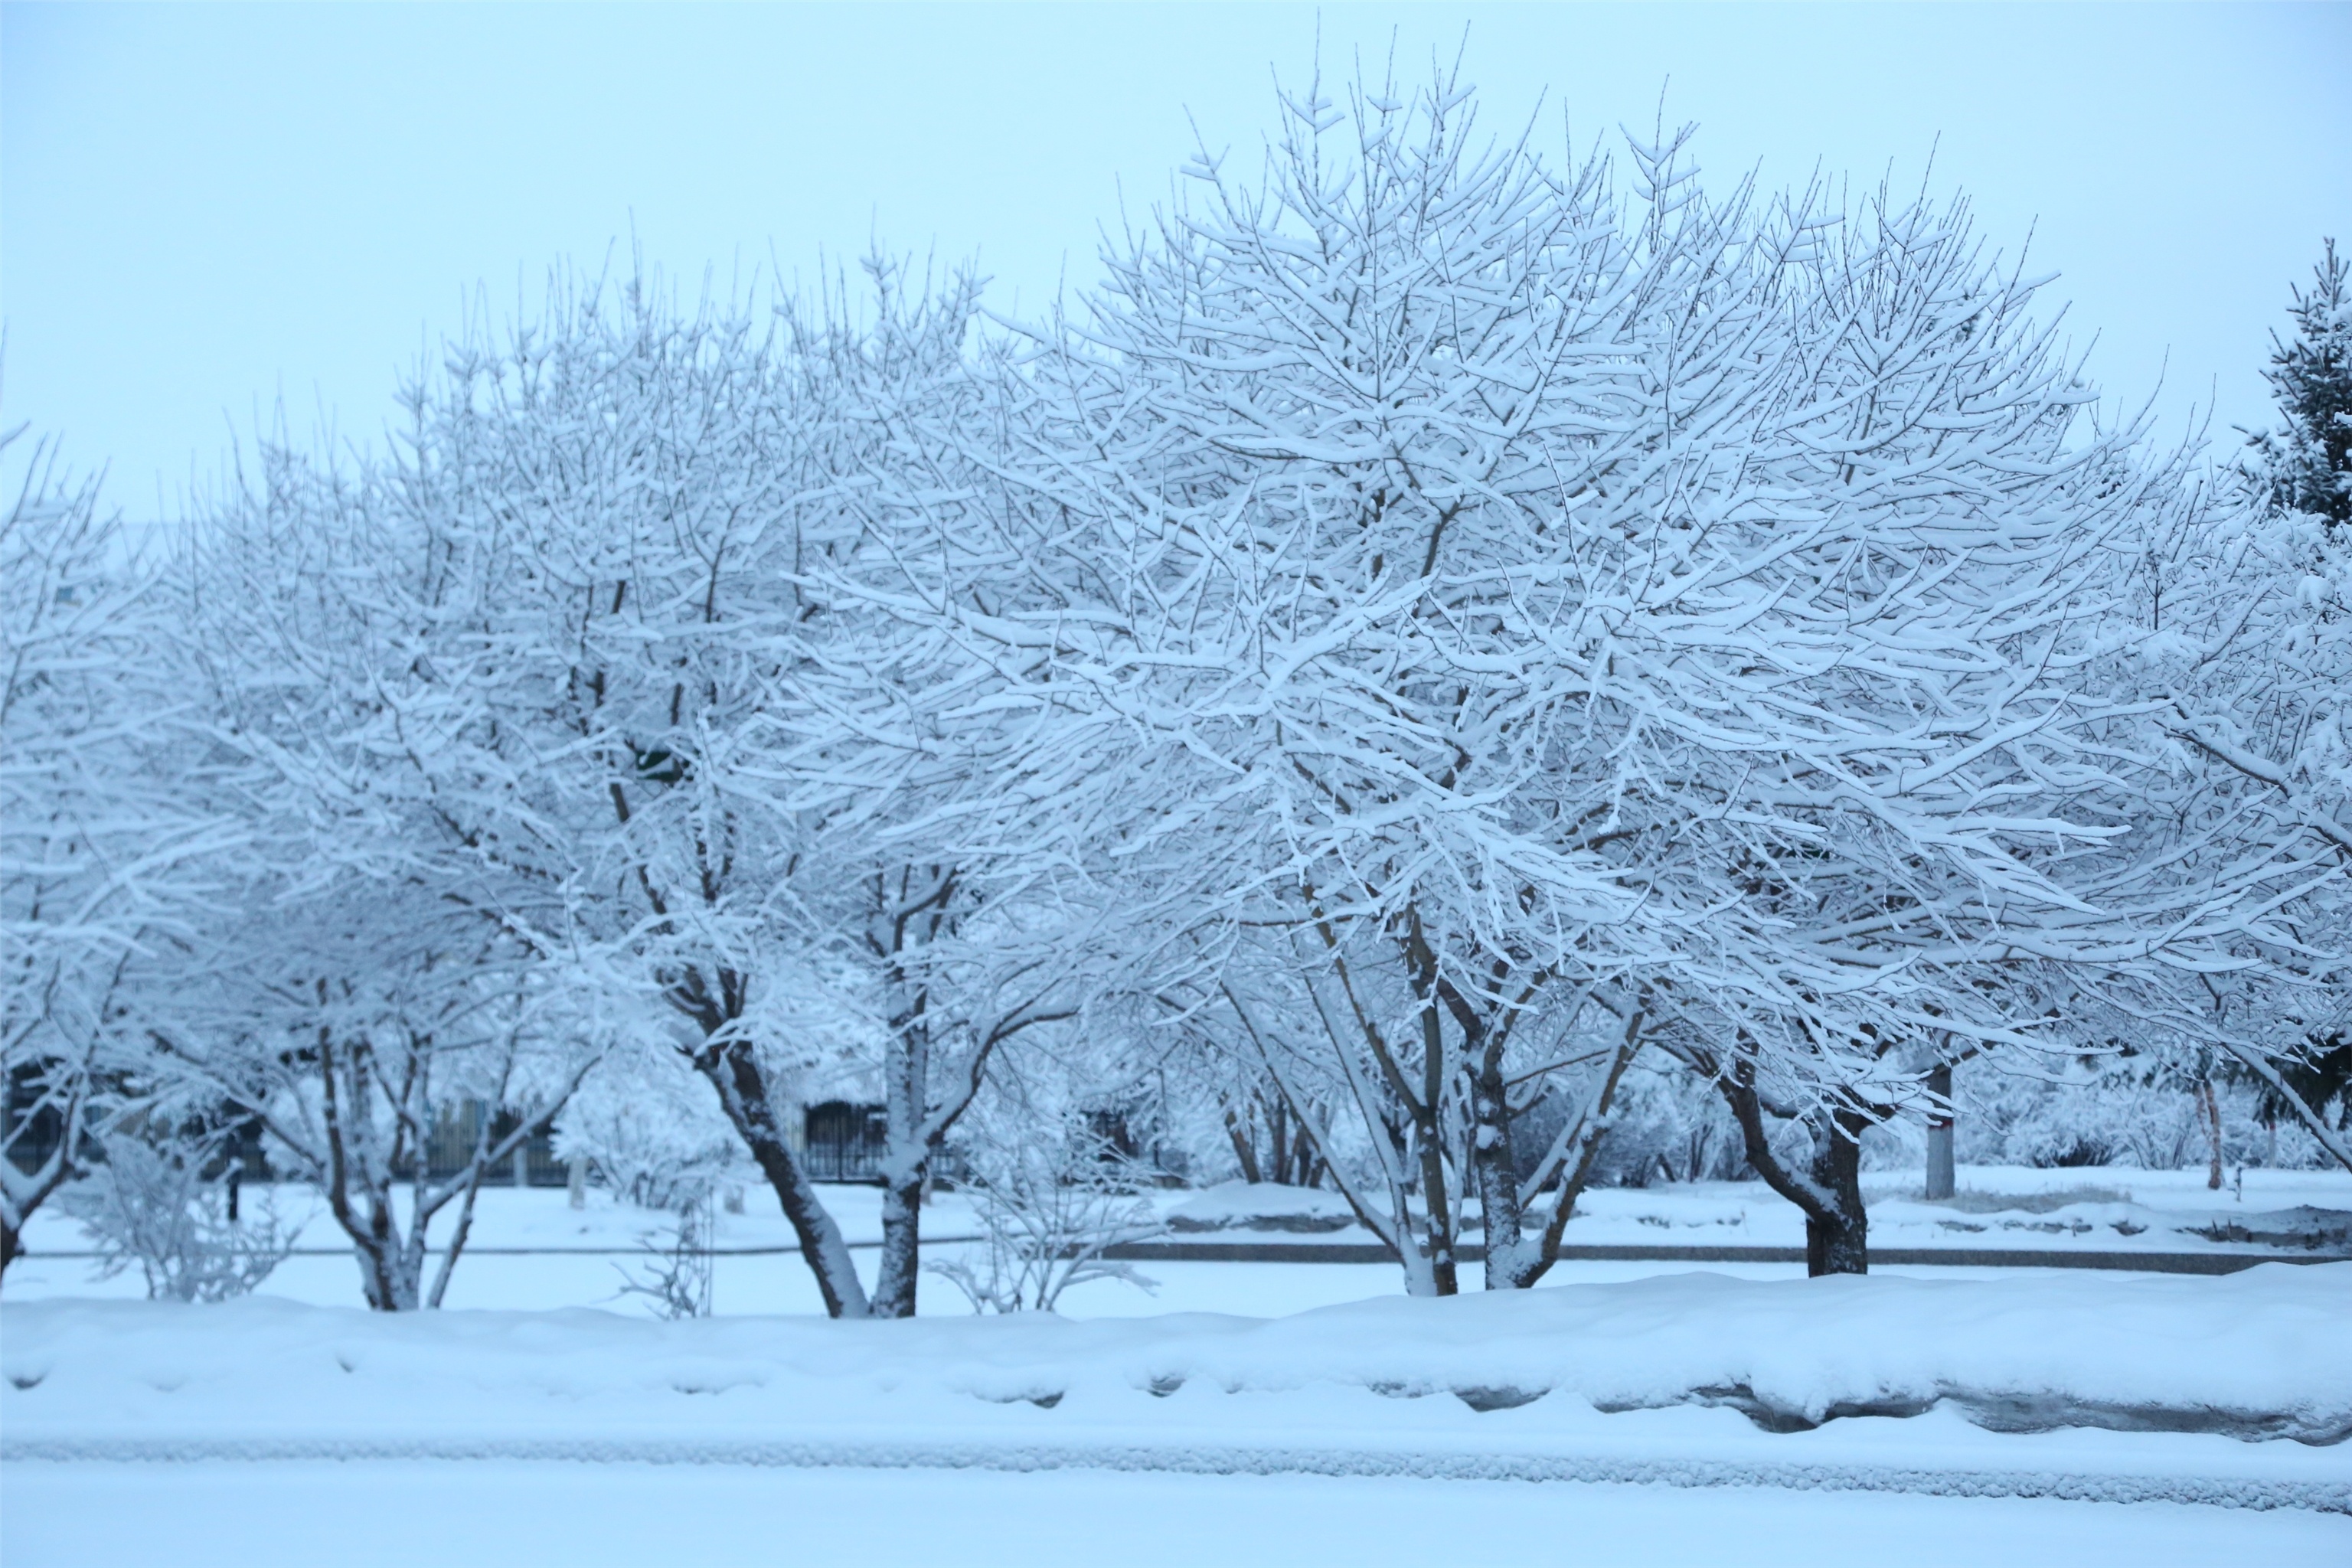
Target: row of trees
[{"x": 1426, "y": 630}]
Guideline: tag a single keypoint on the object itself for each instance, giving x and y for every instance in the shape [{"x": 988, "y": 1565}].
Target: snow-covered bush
[
  {"x": 677, "y": 1275},
  {"x": 650, "y": 1128},
  {"x": 1049, "y": 1207},
  {"x": 161, "y": 1201}
]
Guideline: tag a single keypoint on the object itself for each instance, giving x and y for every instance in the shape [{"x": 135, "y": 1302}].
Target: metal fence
[
  {"x": 459, "y": 1131},
  {"x": 844, "y": 1143}
]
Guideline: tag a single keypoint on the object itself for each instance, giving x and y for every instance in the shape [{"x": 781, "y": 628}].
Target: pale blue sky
[{"x": 203, "y": 208}]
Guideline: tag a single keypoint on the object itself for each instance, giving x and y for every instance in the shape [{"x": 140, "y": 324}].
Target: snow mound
[
  {"x": 2256, "y": 1355},
  {"x": 2315, "y": 1229},
  {"x": 1261, "y": 1205}
]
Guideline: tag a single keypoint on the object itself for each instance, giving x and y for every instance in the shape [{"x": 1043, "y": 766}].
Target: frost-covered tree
[
  {"x": 383, "y": 961},
  {"x": 107, "y": 853},
  {"x": 627, "y": 718},
  {"x": 649, "y": 473},
  {"x": 949, "y": 860},
  {"x": 2240, "y": 634},
  {"x": 1526, "y": 600},
  {"x": 2306, "y": 464}
]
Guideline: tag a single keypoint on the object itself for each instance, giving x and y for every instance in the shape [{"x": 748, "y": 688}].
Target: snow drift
[{"x": 2258, "y": 1355}]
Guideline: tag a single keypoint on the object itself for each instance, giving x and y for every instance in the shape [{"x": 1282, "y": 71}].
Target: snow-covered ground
[
  {"x": 2120, "y": 1382},
  {"x": 397, "y": 1514},
  {"x": 1225, "y": 1414},
  {"x": 2109, "y": 1209},
  {"x": 209, "y": 1516},
  {"x": 2006, "y": 1206}
]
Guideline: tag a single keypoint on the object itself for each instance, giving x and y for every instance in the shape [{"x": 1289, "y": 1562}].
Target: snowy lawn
[
  {"x": 2006, "y": 1206},
  {"x": 2089, "y": 1386},
  {"x": 300, "y": 1515},
  {"x": 2017, "y": 1208}
]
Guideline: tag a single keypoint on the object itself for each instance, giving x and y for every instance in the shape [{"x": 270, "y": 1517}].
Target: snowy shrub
[
  {"x": 677, "y": 1277},
  {"x": 1049, "y": 1208},
  {"x": 2122, "y": 1114},
  {"x": 651, "y": 1130},
  {"x": 164, "y": 1205}
]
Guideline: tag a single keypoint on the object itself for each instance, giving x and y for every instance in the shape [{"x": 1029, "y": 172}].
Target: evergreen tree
[{"x": 2307, "y": 466}]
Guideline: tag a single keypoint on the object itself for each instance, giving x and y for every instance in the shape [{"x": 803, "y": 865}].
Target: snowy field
[
  {"x": 2151, "y": 1418},
  {"x": 531, "y": 1250},
  {"x": 1308, "y": 1413}
]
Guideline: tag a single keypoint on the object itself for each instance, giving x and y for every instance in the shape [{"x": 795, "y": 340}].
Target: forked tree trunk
[
  {"x": 1837, "y": 1227},
  {"x": 750, "y": 1102},
  {"x": 1516, "y": 1261},
  {"x": 390, "y": 1281}
]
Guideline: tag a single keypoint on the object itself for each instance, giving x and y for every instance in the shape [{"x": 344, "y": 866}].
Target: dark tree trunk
[
  {"x": 1837, "y": 1238},
  {"x": 10, "y": 1245},
  {"x": 745, "y": 1094},
  {"x": 2208, "y": 1116},
  {"x": 1837, "y": 1227},
  {"x": 1244, "y": 1143},
  {"x": 388, "y": 1286}
]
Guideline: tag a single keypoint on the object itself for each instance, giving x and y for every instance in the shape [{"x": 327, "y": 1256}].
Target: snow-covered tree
[
  {"x": 649, "y": 472},
  {"x": 1529, "y": 601},
  {"x": 392, "y": 956},
  {"x": 106, "y": 856},
  {"x": 2306, "y": 464},
  {"x": 937, "y": 847}
]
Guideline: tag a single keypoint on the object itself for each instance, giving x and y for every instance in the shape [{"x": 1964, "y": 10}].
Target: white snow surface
[
  {"x": 300, "y": 1515},
  {"x": 2260, "y": 1353},
  {"x": 2014, "y": 1208}
]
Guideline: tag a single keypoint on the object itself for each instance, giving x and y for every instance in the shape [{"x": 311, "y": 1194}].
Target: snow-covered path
[{"x": 297, "y": 1515}]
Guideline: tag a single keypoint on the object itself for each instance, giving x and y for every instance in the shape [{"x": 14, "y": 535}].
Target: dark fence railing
[{"x": 844, "y": 1143}]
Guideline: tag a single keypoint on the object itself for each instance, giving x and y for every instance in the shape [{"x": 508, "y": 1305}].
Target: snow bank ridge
[{"x": 2257, "y": 1356}]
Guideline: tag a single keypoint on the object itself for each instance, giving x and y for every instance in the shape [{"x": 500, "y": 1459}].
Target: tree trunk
[
  {"x": 1837, "y": 1238},
  {"x": 1940, "y": 1135},
  {"x": 2209, "y": 1113},
  {"x": 1837, "y": 1228},
  {"x": 1522, "y": 1263},
  {"x": 1244, "y": 1142},
  {"x": 744, "y": 1093},
  {"x": 902, "y": 1225},
  {"x": 1445, "y": 1267},
  {"x": 1511, "y": 1264},
  {"x": 391, "y": 1279},
  {"x": 10, "y": 1245}
]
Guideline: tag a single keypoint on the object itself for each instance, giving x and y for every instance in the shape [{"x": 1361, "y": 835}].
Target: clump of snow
[{"x": 1261, "y": 1205}]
